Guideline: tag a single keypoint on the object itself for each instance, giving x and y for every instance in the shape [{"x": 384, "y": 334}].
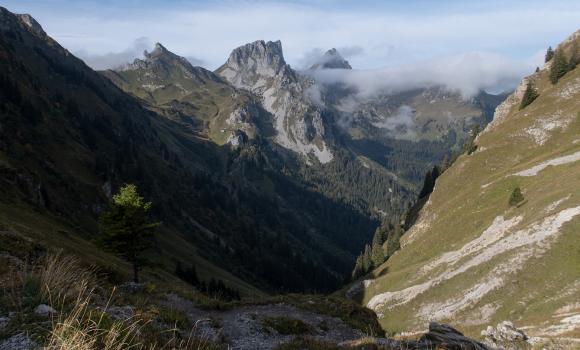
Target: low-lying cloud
[
  {"x": 401, "y": 123},
  {"x": 467, "y": 74},
  {"x": 316, "y": 55},
  {"x": 113, "y": 60},
  {"x": 116, "y": 59}
]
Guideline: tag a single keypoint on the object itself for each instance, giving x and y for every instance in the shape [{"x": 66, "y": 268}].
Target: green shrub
[
  {"x": 516, "y": 197},
  {"x": 559, "y": 67},
  {"x": 529, "y": 96}
]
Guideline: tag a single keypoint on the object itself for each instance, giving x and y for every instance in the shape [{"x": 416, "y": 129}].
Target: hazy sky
[{"x": 371, "y": 34}]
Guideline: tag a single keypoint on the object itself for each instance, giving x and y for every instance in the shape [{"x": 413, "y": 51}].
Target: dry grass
[
  {"x": 64, "y": 277},
  {"x": 85, "y": 329},
  {"x": 82, "y": 322}
]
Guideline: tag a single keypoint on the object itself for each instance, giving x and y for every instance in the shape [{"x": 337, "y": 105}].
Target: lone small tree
[
  {"x": 394, "y": 240},
  {"x": 516, "y": 197},
  {"x": 529, "y": 96},
  {"x": 549, "y": 54},
  {"x": 469, "y": 146},
  {"x": 126, "y": 228},
  {"x": 559, "y": 67},
  {"x": 377, "y": 255}
]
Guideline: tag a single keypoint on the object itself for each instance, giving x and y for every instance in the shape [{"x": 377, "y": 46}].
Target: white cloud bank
[{"x": 467, "y": 74}]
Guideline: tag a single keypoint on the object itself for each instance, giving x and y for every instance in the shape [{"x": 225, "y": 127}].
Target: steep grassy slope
[{"x": 473, "y": 259}]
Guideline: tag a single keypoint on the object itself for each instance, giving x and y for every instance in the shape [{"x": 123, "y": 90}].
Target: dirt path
[{"x": 243, "y": 327}]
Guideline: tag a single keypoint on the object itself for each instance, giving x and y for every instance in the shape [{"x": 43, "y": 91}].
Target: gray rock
[
  {"x": 44, "y": 310},
  {"x": 504, "y": 336},
  {"x": 442, "y": 336},
  {"x": 18, "y": 342}
]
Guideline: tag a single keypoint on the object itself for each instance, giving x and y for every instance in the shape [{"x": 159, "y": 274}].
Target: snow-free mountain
[{"x": 497, "y": 241}]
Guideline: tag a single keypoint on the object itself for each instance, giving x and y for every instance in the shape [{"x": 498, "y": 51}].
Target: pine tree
[
  {"x": 429, "y": 182},
  {"x": 516, "y": 197},
  {"x": 125, "y": 227},
  {"x": 574, "y": 56},
  {"x": 549, "y": 54},
  {"x": 393, "y": 242},
  {"x": 378, "y": 257},
  {"x": 559, "y": 67},
  {"x": 378, "y": 236},
  {"x": 469, "y": 147},
  {"x": 529, "y": 96}
]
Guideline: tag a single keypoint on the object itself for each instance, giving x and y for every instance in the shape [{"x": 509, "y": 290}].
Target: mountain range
[
  {"x": 243, "y": 146},
  {"x": 271, "y": 180}
]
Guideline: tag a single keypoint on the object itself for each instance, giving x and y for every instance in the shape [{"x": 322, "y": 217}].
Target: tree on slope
[
  {"x": 125, "y": 227},
  {"x": 529, "y": 96},
  {"x": 549, "y": 54},
  {"x": 377, "y": 254},
  {"x": 393, "y": 242},
  {"x": 516, "y": 197},
  {"x": 559, "y": 67}
]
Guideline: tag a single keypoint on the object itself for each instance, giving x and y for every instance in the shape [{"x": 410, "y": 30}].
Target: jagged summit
[
  {"x": 259, "y": 59},
  {"x": 259, "y": 54},
  {"x": 159, "y": 56},
  {"x": 164, "y": 66},
  {"x": 331, "y": 59}
]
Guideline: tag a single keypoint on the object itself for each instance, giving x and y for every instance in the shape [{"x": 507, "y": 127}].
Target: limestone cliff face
[{"x": 259, "y": 67}]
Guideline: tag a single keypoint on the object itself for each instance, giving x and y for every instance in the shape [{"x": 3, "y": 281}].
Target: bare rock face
[
  {"x": 259, "y": 67},
  {"x": 250, "y": 65},
  {"x": 505, "y": 107}
]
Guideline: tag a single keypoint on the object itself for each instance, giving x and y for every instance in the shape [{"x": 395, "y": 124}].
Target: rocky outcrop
[
  {"x": 505, "y": 336},
  {"x": 259, "y": 67}
]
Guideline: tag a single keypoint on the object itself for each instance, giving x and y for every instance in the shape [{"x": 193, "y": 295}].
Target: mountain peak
[
  {"x": 259, "y": 58},
  {"x": 331, "y": 59},
  {"x": 160, "y": 53}
]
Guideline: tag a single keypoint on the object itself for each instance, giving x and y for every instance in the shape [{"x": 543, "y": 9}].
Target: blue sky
[{"x": 371, "y": 34}]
